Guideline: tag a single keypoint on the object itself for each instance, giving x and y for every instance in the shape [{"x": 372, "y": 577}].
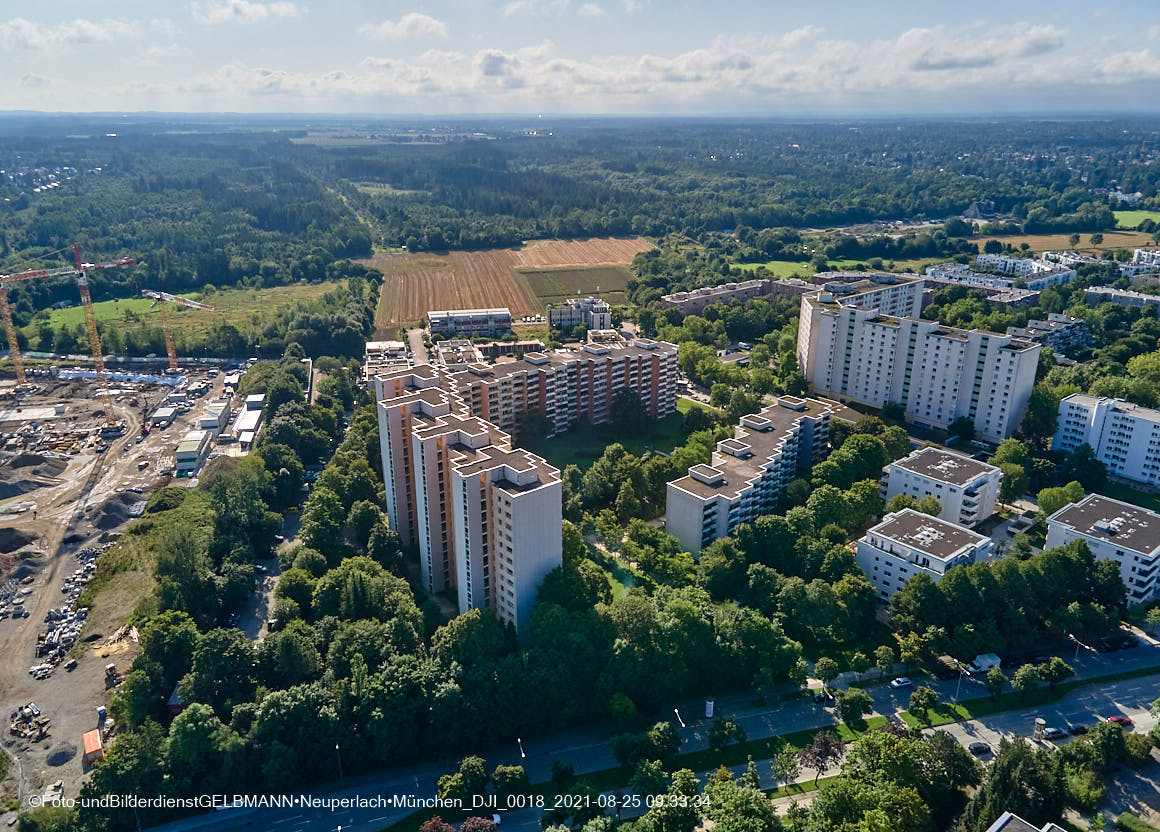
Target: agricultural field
[
  {"x": 785, "y": 269},
  {"x": 234, "y": 306},
  {"x": 524, "y": 280},
  {"x": 1113, "y": 240},
  {"x": 1130, "y": 219},
  {"x": 556, "y": 254},
  {"x": 554, "y": 285}
]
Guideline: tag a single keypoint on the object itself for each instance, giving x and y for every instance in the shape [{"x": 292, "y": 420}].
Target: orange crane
[
  {"x": 80, "y": 270},
  {"x": 159, "y": 299}
]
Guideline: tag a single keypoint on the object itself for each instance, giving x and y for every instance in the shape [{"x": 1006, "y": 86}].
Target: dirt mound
[
  {"x": 114, "y": 511},
  {"x": 62, "y": 754},
  {"x": 42, "y": 466},
  {"x": 12, "y": 539}
]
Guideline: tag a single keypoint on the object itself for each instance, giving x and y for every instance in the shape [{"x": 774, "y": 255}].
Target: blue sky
[{"x": 581, "y": 56}]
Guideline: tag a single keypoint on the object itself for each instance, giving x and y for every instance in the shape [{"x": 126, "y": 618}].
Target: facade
[
  {"x": 696, "y": 300},
  {"x": 468, "y": 321},
  {"x": 938, "y": 373},
  {"x": 1147, "y": 257},
  {"x": 191, "y": 451},
  {"x": 484, "y": 514},
  {"x": 748, "y": 472},
  {"x": 908, "y": 542},
  {"x": 1123, "y": 436},
  {"x": 1117, "y": 531},
  {"x": 1121, "y": 297},
  {"x": 890, "y": 294},
  {"x": 1035, "y": 274},
  {"x": 384, "y": 356},
  {"x": 593, "y": 313},
  {"x": 967, "y": 489},
  {"x": 215, "y": 419},
  {"x": 1061, "y": 332}
]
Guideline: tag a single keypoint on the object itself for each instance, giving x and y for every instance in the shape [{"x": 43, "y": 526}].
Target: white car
[{"x": 900, "y": 682}]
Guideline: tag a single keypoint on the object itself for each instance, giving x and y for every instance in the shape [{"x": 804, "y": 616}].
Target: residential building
[
  {"x": 937, "y": 373},
  {"x": 1035, "y": 274},
  {"x": 1147, "y": 257},
  {"x": 1113, "y": 530},
  {"x": 747, "y": 473},
  {"x": 384, "y": 356},
  {"x": 1060, "y": 331},
  {"x": 966, "y": 489},
  {"x": 456, "y": 354},
  {"x": 486, "y": 515},
  {"x": 470, "y": 321},
  {"x": 890, "y": 294},
  {"x": 593, "y": 313},
  {"x": 1072, "y": 259},
  {"x": 696, "y": 300},
  {"x": 1008, "y": 822},
  {"x": 1121, "y": 297},
  {"x": 908, "y": 542},
  {"x": 1125, "y": 437}
]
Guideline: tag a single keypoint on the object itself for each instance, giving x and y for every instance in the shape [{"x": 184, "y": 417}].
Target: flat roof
[
  {"x": 92, "y": 741},
  {"x": 1008, "y": 822},
  {"x": 446, "y": 313},
  {"x": 1125, "y": 525},
  {"x": 737, "y": 473},
  {"x": 1134, "y": 410},
  {"x": 944, "y": 466},
  {"x": 927, "y": 534}
]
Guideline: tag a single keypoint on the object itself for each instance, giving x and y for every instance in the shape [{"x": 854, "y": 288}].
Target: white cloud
[
  {"x": 590, "y": 10},
  {"x": 30, "y": 79},
  {"x": 536, "y": 7},
  {"x": 940, "y": 48},
  {"x": 157, "y": 52},
  {"x": 413, "y": 25},
  {"x": 1154, "y": 33},
  {"x": 20, "y": 33},
  {"x": 798, "y": 36},
  {"x": 244, "y": 11}
]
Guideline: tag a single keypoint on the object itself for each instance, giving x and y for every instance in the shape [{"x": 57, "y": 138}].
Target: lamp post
[
  {"x": 338, "y": 756},
  {"x": 520, "y": 743},
  {"x": 959, "y": 684},
  {"x": 678, "y": 713}
]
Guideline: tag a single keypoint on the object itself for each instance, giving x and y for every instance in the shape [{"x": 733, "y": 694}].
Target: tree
[
  {"x": 853, "y": 705},
  {"x": 859, "y": 662},
  {"x": 929, "y": 505},
  {"x": 1014, "y": 483},
  {"x": 510, "y": 780},
  {"x": 436, "y": 824},
  {"x": 1152, "y": 620},
  {"x": 723, "y": 731},
  {"x": 1026, "y": 679},
  {"x": 910, "y": 649},
  {"x": 751, "y": 779},
  {"x": 1052, "y": 500},
  {"x": 1096, "y": 239},
  {"x": 963, "y": 428},
  {"x": 900, "y": 501},
  {"x": 664, "y": 739},
  {"x": 628, "y": 411},
  {"x": 884, "y": 658},
  {"x": 996, "y": 680},
  {"x": 649, "y": 778},
  {"x": 1055, "y": 671},
  {"x": 823, "y": 751},
  {"x": 826, "y": 670},
  {"x": 627, "y": 504},
  {"x": 786, "y": 765},
  {"x": 477, "y": 824},
  {"x": 922, "y": 699}
]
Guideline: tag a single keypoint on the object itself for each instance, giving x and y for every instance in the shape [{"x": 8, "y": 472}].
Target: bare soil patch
[{"x": 598, "y": 251}]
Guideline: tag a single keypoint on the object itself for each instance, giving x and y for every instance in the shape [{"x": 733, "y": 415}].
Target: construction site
[{"x": 82, "y": 448}]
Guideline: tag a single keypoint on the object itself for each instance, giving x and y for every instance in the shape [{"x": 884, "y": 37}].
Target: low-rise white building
[
  {"x": 966, "y": 488},
  {"x": 1147, "y": 257},
  {"x": 470, "y": 321},
  {"x": 593, "y": 313},
  {"x": 908, "y": 542},
  {"x": 1060, "y": 331},
  {"x": 1125, "y": 437},
  {"x": 1113, "y": 530},
  {"x": 191, "y": 452}
]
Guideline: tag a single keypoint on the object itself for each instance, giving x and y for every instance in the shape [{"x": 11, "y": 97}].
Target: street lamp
[
  {"x": 338, "y": 755},
  {"x": 959, "y": 684},
  {"x": 678, "y": 713},
  {"x": 520, "y": 743}
]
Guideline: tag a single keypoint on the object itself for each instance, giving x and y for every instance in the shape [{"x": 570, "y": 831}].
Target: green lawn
[
  {"x": 781, "y": 268},
  {"x": 584, "y": 445},
  {"x": 1130, "y": 219},
  {"x": 1120, "y": 491},
  {"x": 556, "y": 285},
  {"x": 787, "y": 268}
]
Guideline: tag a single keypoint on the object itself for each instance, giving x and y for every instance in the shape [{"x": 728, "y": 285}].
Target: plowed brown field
[
  {"x": 414, "y": 284},
  {"x": 603, "y": 251}
]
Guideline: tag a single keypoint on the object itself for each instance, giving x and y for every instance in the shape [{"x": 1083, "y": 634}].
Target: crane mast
[{"x": 160, "y": 299}]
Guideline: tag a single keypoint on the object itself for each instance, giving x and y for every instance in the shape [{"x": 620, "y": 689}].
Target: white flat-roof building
[
  {"x": 1121, "y": 297},
  {"x": 1113, "y": 530},
  {"x": 470, "y": 321},
  {"x": 966, "y": 488},
  {"x": 191, "y": 451},
  {"x": 1060, "y": 331},
  {"x": 255, "y": 401},
  {"x": 1147, "y": 257},
  {"x": 1036, "y": 274},
  {"x": 747, "y": 473},
  {"x": 215, "y": 418},
  {"x": 593, "y": 313},
  {"x": 1124, "y": 436},
  {"x": 162, "y": 416},
  {"x": 855, "y": 353},
  {"x": 909, "y": 542}
]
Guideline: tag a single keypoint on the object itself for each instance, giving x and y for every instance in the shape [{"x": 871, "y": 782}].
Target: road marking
[
  {"x": 285, "y": 820},
  {"x": 376, "y": 820}
]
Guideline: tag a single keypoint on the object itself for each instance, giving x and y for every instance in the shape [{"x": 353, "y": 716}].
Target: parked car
[
  {"x": 979, "y": 748},
  {"x": 1054, "y": 734},
  {"x": 1077, "y": 730},
  {"x": 1121, "y": 720},
  {"x": 1128, "y": 642},
  {"x": 900, "y": 682}
]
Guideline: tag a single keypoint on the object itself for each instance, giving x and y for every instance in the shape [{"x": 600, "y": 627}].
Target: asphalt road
[{"x": 588, "y": 749}]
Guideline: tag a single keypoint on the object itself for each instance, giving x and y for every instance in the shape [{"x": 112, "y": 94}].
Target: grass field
[
  {"x": 787, "y": 268},
  {"x": 1130, "y": 219},
  {"x": 524, "y": 280},
  {"x": 1049, "y": 242},
  {"x": 239, "y": 307}
]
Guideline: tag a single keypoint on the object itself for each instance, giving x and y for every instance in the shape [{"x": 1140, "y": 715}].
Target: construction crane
[
  {"x": 160, "y": 299},
  {"x": 80, "y": 271}
]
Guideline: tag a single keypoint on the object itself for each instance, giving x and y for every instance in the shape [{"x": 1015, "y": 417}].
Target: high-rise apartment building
[
  {"x": 852, "y": 350},
  {"x": 485, "y": 515},
  {"x": 747, "y": 473},
  {"x": 966, "y": 489},
  {"x": 1124, "y": 436}
]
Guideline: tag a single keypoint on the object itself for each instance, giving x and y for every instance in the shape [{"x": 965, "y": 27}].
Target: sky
[{"x": 627, "y": 57}]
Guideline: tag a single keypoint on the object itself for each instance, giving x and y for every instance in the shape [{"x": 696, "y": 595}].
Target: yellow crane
[
  {"x": 162, "y": 299},
  {"x": 80, "y": 270}
]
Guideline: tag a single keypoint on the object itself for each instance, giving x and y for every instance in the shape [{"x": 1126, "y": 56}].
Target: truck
[{"x": 983, "y": 663}]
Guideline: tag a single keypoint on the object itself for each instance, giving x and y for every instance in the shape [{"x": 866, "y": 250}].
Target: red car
[{"x": 1122, "y": 721}]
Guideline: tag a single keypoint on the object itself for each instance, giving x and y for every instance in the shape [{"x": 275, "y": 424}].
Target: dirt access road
[{"x": 89, "y": 505}]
